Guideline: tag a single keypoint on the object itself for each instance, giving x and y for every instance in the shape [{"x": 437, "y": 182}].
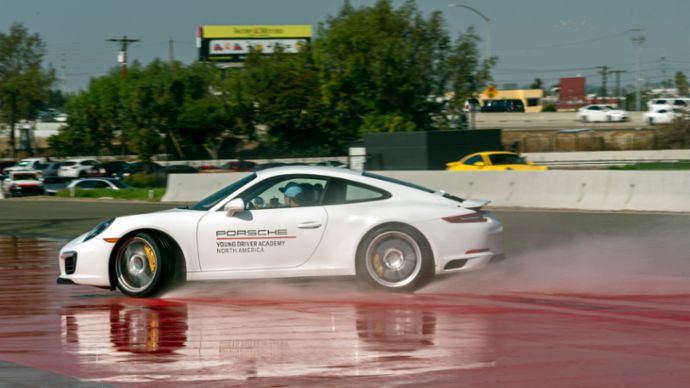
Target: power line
[{"x": 597, "y": 39}]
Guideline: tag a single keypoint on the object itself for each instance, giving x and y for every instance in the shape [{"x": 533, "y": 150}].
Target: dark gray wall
[{"x": 426, "y": 150}]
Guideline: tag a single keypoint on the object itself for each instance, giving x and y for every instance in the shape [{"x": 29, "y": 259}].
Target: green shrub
[
  {"x": 142, "y": 180},
  {"x": 549, "y": 108},
  {"x": 136, "y": 194}
]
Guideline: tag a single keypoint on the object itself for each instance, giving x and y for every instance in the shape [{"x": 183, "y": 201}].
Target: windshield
[{"x": 216, "y": 197}]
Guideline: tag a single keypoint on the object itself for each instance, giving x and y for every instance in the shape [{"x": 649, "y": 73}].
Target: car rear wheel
[
  {"x": 395, "y": 258},
  {"x": 140, "y": 266}
]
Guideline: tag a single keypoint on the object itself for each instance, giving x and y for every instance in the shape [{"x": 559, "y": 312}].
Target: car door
[
  {"x": 267, "y": 235},
  {"x": 595, "y": 113}
]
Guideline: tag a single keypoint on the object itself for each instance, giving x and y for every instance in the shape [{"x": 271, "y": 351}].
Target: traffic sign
[{"x": 490, "y": 91}]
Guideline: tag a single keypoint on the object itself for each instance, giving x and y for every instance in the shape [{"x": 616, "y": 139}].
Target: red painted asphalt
[{"x": 464, "y": 331}]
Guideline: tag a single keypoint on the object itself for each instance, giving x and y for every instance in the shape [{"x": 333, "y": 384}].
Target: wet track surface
[{"x": 603, "y": 312}]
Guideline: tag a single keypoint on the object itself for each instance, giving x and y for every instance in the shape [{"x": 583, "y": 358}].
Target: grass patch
[
  {"x": 682, "y": 165},
  {"x": 153, "y": 194}
]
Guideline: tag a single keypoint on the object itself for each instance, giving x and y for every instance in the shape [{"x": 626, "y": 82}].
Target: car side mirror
[{"x": 233, "y": 207}]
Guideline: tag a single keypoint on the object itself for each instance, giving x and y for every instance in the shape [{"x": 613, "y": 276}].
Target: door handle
[{"x": 309, "y": 225}]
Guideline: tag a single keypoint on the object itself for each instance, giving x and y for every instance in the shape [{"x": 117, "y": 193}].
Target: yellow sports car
[{"x": 492, "y": 161}]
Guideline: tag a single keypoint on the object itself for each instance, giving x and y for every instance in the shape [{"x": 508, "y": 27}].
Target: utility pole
[
  {"x": 604, "y": 71},
  {"x": 122, "y": 55},
  {"x": 618, "y": 81},
  {"x": 638, "y": 40},
  {"x": 171, "y": 51}
]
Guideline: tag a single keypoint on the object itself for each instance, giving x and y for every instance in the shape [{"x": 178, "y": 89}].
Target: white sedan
[
  {"x": 292, "y": 221},
  {"x": 661, "y": 116},
  {"x": 601, "y": 112},
  {"x": 97, "y": 183},
  {"x": 76, "y": 168}
]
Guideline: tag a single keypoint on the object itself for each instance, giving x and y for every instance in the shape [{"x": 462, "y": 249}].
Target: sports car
[
  {"x": 295, "y": 221},
  {"x": 492, "y": 161}
]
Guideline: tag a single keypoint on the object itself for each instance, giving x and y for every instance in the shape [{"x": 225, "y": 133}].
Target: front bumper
[{"x": 85, "y": 263}]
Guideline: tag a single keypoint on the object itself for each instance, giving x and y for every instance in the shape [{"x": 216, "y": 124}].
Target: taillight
[{"x": 465, "y": 218}]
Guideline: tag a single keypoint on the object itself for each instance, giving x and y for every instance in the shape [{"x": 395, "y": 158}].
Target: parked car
[
  {"x": 330, "y": 163},
  {"x": 602, "y": 113},
  {"x": 26, "y": 164},
  {"x": 107, "y": 169},
  {"x": 49, "y": 172},
  {"x": 661, "y": 116},
  {"x": 238, "y": 165},
  {"x": 180, "y": 169},
  {"x": 493, "y": 160},
  {"x": 4, "y": 164},
  {"x": 76, "y": 168},
  {"x": 472, "y": 105},
  {"x": 22, "y": 182},
  {"x": 140, "y": 168},
  {"x": 507, "y": 105},
  {"x": 97, "y": 183}
]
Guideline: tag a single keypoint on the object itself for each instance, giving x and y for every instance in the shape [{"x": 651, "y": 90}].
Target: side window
[
  {"x": 290, "y": 191},
  {"x": 86, "y": 185},
  {"x": 359, "y": 193},
  {"x": 340, "y": 191},
  {"x": 471, "y": 161}
]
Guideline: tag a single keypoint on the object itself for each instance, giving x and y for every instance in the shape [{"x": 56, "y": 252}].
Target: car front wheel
[
  {"x": 395, "y": 258},
  {"x": 140, "y": 266}
]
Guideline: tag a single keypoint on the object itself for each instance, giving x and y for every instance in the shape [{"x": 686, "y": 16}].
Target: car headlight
[{"x": 98, "y": 229}]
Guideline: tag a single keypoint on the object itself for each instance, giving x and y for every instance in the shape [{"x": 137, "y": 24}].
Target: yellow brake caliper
[
  {"x": 378, "y": 266},
  {"x": 151, "y": 257}
]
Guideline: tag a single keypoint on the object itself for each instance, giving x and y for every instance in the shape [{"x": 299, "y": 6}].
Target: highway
[{"x": 550, "y": 121}]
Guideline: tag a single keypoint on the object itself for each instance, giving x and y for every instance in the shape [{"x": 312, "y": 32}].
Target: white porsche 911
[{"x": 295, "y": 221}]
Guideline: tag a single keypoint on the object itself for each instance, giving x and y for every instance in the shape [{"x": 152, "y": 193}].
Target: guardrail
[{"x": 601, "y": 159}]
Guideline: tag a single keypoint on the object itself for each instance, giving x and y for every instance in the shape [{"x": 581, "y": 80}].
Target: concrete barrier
[
  {"x": 667, "y": 191},
  {"x": 195, "y": 187}
]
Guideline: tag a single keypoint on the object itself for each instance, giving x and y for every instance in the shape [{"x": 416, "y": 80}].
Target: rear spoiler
[{"x": 474, "y": 204}]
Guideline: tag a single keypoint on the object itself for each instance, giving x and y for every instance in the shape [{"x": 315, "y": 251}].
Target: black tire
[
  {"x": 395, "y": 257},
  {"x": 143, "y": 266}
]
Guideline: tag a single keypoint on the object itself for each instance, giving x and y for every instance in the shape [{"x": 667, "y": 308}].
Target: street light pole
[
  {"x": 488, "y": 25},
  {"x": 638, "y": 40}
]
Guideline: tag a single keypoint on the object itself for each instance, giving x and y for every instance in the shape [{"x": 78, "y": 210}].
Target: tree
[
  {"x": 682, "y": 84},
  {"x": 24, "y": 83},
  {"x": 469, "y": 74},
  {"x": 537, "y": 84},
  {"x": 286, "y": 90},
  {"x": 380, "y": 67}
]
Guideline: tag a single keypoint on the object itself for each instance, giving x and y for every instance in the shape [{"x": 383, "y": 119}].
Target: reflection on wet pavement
[{"x": 323, "y": 333}]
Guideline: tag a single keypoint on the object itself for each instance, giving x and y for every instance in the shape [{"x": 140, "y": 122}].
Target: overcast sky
[{"x": 548, "y": 39}]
